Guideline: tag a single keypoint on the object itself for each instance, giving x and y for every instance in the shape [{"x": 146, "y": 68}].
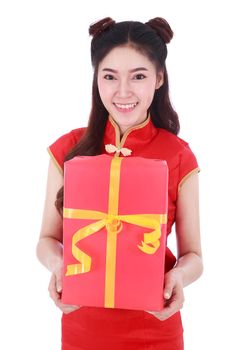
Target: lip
[
  {"x": 125, "y": 110},
  {"x": 127, "y": 103}
]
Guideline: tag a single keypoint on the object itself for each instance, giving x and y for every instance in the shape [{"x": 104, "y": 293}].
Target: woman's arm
[
  {"x": 49, "y": 248},
  {"x": 188, "y": 231},
  {"x": 189, "y": 265}
]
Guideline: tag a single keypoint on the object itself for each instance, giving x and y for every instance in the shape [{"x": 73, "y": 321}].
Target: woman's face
[{"x": 127, "y": 81}]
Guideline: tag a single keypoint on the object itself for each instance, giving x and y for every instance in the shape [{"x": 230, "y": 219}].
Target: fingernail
[{"x": 167, "y": 295}]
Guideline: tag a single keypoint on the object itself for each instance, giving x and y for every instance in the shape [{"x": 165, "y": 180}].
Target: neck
[{"x": 123, "y": 129}]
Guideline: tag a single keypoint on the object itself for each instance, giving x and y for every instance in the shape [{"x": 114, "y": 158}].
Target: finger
[
  {"x": 175, "y": 305},
  {"x": 59, "y": 283},
  {"x": 66, "y": 308},
  {"x": 168, "y": 288},
  {"x": 156, "y": 314},
  {"x": 51, "y": 284},
  {"x": 165, "y": 313},
  {"x": 52, "y": 289},
  {"x": 169, "y": 310},
  {"x": 69, "y": 309},
  {"x": 150, "y": 312}
]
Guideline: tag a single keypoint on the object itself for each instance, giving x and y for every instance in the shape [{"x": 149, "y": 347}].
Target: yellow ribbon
[{"x": 113, "y": 223}]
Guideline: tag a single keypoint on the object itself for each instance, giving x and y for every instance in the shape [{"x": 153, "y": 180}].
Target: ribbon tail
[
  {"x": 151, "y": 241},
  {"x": 149, "y": 249},
  {"x": 83, "y": 258},
  {"x": 83, "y": 267}
]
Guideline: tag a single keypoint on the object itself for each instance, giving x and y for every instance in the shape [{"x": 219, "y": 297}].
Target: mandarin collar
[{"x": 134, "y": 137}]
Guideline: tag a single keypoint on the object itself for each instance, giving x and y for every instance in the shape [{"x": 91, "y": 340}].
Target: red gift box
[{"x": 114, "y": 232}]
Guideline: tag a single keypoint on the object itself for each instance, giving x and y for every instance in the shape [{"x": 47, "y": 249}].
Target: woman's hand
[
  {"x": 173, "y": 295},
  {"x": 55, "y": 292}
]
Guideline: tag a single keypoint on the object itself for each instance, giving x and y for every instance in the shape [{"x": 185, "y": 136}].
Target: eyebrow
[{"x": 131, "y": 70}]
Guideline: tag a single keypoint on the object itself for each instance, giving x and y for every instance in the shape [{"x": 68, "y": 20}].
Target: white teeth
[{"x": 126, "y": 106}]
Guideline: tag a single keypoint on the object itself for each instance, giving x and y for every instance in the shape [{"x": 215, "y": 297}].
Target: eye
[
  {"x": 108, "y": 77},
  {"x": 140, "y": 76}
]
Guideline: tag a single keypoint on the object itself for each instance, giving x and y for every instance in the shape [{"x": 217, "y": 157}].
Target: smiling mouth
[{"x": 126, "y": 106}]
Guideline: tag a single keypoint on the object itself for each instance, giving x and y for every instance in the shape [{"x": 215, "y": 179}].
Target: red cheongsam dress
[{"x": 93, "y": 328}]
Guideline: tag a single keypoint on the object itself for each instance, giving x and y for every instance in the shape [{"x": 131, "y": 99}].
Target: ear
[{"x": 160, "y": 80}]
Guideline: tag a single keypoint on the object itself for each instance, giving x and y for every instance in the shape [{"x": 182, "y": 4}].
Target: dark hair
[{"x": 150, "y": 39}]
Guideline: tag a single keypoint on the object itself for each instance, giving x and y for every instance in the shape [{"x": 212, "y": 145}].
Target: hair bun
[
  {"x": 99, "y": 26},
  {"x": 162, "y": 27}
]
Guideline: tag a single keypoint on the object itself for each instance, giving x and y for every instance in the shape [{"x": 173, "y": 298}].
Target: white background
[{"x": 45, "y": 85}]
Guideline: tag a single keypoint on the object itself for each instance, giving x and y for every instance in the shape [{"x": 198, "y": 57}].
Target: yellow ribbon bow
[
  {"x": 111, "y": 149},
  {"x": 113, "y": 223}
]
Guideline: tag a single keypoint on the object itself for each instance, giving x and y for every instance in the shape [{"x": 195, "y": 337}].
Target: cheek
[
  {"x": 104, "y": 90},
  {"x": 146, "y": 93}
]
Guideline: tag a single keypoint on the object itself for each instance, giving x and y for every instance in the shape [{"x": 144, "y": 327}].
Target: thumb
[
  {"x": 59, "y": 283},
  {"x": 168, "y": 289}
]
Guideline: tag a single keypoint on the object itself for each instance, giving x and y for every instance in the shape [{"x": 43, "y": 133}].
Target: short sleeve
[
  {"x": 60, "y": 148},
  {"x": 188, "y": 165}
]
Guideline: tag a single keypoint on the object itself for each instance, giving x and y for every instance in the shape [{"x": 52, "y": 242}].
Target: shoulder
[
  {"x": 73, "y": 136},
  {"x": 173, "y": 146},
  {"x": 63, "y": 144},
  {"x": 179, "y": 155},
  {"x": 78, "y": 133},
  {"x": 172, "y": 140}
]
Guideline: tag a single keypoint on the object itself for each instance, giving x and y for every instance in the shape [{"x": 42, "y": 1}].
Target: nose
[{"x": 123, "y": 89}]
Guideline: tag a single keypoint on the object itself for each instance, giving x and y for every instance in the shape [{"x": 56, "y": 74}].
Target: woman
[{"x": 130, "y": 109}]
